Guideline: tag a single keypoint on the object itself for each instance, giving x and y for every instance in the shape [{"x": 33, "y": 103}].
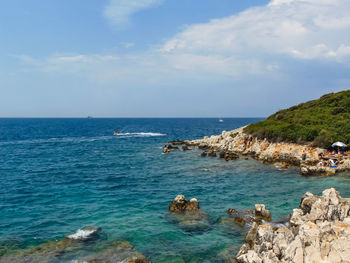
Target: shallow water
[{"x": 58, "y": 175}]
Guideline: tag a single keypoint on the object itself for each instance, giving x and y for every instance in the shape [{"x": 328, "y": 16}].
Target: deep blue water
[{"x": 58, "y": 175}]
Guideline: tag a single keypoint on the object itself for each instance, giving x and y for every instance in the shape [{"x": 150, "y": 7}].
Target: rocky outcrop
[
  {"x": 231, "y": 144},
  {"x": 188, "y": 215},
  {"x": 180, "y": 204},
  {"x": 319, "y": 232}
]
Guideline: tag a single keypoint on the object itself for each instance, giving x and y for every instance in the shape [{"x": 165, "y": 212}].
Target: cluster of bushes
[{"x": 320, "y": 122}]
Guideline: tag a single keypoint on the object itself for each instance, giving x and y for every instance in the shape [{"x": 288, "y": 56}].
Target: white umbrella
[{"x": 339, "y": 144}]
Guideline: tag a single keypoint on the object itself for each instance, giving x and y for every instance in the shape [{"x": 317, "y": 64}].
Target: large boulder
[{"x": 319, "y": 231}]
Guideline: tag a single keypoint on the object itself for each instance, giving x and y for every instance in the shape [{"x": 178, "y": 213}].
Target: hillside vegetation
[{"x": 320, "y": 122}]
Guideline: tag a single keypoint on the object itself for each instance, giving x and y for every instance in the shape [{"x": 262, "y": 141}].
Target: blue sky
[{"x": 167, "y": 58}]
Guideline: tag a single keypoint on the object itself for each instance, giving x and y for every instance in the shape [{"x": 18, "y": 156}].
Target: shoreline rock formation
[
  {"x": 318, "y": 232},
  {"x": 231, "y": 144},
  {"x": 180, "y": 204}
]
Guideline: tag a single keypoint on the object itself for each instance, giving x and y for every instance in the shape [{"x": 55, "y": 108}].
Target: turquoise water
[{"x": 58, "y": 175}]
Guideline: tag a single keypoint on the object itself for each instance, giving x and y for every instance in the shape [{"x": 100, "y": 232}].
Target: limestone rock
[
  {"x": 180, "y": 204},
  {"x": 234, "y": 143},
  {"x": 261, "y": 212},
  {"x": 318, "y": 232}
]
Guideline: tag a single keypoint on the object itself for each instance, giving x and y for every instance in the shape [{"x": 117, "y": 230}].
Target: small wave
[
  {"x": 81, "y": 234},
  {"x": 141, "y": 134}
]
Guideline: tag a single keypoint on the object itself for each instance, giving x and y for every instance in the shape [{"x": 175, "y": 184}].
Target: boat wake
[
  {"x": 81, "y": 139},
  {"x": 140, "y": 134}
]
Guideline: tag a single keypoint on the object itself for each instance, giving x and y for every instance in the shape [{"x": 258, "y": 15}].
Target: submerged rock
[
  {"x": 192, "y": 221},
  {"x": 319, "y": 231},
  {"x": 47, "y": 252},
  {"x": 242, "y": 217},
  {"x": 71, "y": 249},
  {"x": 53, "y": 250},
  {"x": 185, "y": 148},
  {"x": 228, "y": 255},
  {"x": 229, "y": 156},
  {"x": 119, "y": 251},
  {"x": 212, "y": 154}
]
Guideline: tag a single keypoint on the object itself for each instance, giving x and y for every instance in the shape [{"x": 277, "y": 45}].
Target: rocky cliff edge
[{"x": 304, "y": 156}]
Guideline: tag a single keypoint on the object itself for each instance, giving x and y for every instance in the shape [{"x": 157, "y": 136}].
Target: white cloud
[
  {"x": 303, "y": 29},
  {"x": 260, "y": 49},
  {"x": 118, "y": 12},
  {"x": 253, "y": 42}
]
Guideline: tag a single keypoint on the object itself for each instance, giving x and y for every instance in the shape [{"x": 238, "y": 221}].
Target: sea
[{"x": 59, "y": 175}]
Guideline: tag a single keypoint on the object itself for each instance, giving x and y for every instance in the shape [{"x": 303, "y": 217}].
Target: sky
[{"x": 170, "y": 58}]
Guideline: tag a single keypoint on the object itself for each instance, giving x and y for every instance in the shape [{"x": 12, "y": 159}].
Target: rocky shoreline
[
  {"x": 318, "y": 232},
  {"x": 232, "y": 144}
]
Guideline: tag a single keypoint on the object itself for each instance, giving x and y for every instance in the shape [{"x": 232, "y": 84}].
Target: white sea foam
[
  {"x": 141, "y": 134},
  {"x": 81, "y": 139},
  {"x": 82, "y": 234}
]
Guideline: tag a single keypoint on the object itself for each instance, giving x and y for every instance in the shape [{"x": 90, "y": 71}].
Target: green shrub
[{"x": 320, "y": 122}]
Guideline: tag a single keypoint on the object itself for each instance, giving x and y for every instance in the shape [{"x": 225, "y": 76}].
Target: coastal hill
[{"x": 319, "y": 122}]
